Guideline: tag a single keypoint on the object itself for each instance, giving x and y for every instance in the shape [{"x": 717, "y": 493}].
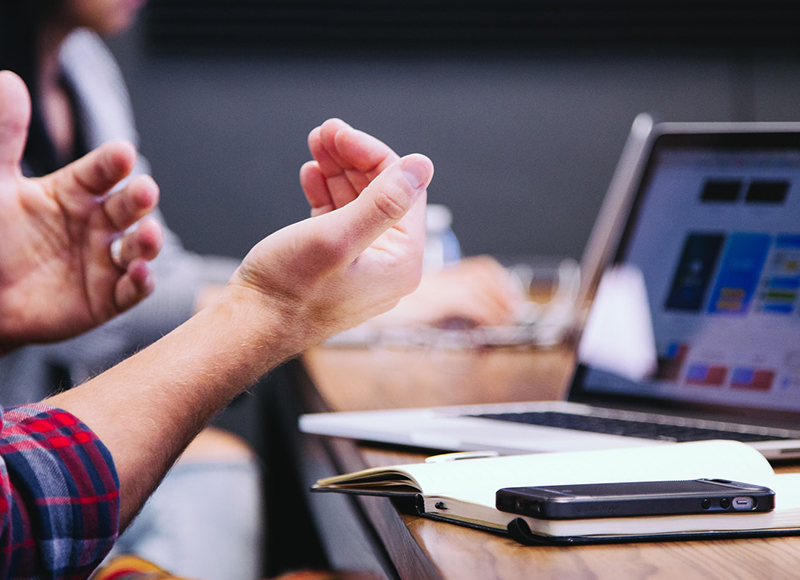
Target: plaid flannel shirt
[{"x": 59, "y": 495}]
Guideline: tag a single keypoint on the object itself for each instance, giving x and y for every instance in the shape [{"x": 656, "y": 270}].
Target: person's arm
[
  {"x": 57, "y": 276},
  {"x": 295, "y": 288}
]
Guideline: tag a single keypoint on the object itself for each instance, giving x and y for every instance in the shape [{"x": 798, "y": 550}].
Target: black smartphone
[{"x": 647, "y": 498}]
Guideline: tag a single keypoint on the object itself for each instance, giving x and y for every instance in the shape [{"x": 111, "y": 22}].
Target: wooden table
[{"x": 391, "y": 542}]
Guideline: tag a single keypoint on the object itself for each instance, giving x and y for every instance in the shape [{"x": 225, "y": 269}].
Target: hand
[
  {"x": 351, "y": 261},
  {"x": 345, "y": 162},
  {"x": 477, "y": 291},
  {"x": 57, "y": 278},
  {"x": 359, "y": 253}
]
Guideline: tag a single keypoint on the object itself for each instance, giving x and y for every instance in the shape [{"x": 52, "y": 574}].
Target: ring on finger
[{"x": 115, "y": 250}]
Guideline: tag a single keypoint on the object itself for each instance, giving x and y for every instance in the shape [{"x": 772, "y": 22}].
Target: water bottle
[{"x": 441, "y": 245}]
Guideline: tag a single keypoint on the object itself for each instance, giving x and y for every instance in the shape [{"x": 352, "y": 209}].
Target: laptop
[{"x": 694, "y": 263}]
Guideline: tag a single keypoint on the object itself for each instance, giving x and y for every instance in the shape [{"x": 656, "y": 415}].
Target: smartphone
[{"x": 647, "y": 498}]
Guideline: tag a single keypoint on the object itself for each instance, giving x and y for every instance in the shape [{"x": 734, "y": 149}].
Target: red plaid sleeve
[{"x": 59, "y": 495}]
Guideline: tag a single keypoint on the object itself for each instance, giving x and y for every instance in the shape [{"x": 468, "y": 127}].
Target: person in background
[
  {"x": 79, "y": 102},
  {"x": 77, "y": 467}
]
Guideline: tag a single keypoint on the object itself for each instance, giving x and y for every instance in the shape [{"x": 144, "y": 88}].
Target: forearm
[
  {"x": 296, "y": 287},
  {"x": 148, "y": 408}
]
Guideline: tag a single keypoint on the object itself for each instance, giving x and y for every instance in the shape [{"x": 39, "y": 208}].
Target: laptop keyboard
[{"x": 641, "y": 428}]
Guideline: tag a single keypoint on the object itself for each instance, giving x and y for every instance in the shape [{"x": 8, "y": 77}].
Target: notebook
[{"x": 694, "y": 332}]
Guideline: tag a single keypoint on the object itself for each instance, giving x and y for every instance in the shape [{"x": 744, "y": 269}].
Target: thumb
[
  {"x": 15, "y": 116},
  {"x": 384, "y": 202},
  {"x": 97, "y": 171}
]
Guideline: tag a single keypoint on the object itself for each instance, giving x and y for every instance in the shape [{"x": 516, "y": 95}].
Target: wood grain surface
[{"x": 355, "y": 379}]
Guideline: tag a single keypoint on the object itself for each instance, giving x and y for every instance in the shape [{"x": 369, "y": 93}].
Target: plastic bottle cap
[{"x": 437, "y": 218}]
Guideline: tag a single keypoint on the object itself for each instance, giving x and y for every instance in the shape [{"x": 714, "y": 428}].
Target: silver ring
[{"x": 115, "y": 250}]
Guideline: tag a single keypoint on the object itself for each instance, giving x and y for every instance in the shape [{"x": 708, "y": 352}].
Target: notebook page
[{"x": 477, "y": 480}]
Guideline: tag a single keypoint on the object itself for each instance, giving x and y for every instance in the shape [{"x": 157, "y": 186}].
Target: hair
[{"x": 20, "y": 23}]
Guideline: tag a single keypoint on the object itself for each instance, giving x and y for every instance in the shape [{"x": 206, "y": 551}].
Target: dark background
[{"x": 523, "y": 106}]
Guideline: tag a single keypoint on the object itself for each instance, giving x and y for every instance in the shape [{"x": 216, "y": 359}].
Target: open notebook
[
  {"x": 692, "y": 335},
  {"x": 463, "y": 491}
]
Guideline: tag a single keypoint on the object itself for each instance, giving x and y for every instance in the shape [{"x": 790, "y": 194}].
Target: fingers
[
  {"x": 469, "y": 311},
  {"x": 342, "y": 148},
  {"x": 477, "y": 291},
  {"x": 96, "y": 172},
  {"x": 144, "y": 242},
  {"x": 15, "y": 115},
  {"x": 136, "y": 250},
  {"x": 487, "y": 307},
  {"x": 495, "y": 282},
  {"x": 312, "y": 180},
  {"x": 348, "y": 159},
  {"x": 384, "y": 203},
  {"x": 134, "y": 285},
  {"x": 322, "y": 144},
  {"x": 137, "y": 199},
  {"x": 328, "y": 163},
  {"x": 357, "y": 150}
]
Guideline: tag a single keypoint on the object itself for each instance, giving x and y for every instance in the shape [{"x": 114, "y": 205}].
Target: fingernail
[{"x": 416, "y": 171}]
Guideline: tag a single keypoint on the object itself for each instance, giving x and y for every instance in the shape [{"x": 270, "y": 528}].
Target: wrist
[{"x": 257, "y": 327}]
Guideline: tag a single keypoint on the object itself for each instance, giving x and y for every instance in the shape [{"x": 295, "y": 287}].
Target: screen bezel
[{"x": 727, "y": 137}]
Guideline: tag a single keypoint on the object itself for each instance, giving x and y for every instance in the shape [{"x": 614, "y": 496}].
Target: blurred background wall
[{"x": 524, "y": 119}]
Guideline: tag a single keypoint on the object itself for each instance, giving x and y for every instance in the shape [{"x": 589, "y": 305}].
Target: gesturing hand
[
  {"x": 345, "y": 162},
  {"x": 57, "y": 278},
  {"x": 478, "y": 291},
  {"x": 359, "y": 253}
]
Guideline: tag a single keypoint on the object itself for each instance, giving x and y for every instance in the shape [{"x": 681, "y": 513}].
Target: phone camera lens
[
  {"x": 706, "y": 504},
  {"x": 724, "y": 503}
]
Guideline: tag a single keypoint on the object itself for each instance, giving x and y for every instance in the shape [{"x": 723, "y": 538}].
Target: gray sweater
[{"x": 105, "y": 113}]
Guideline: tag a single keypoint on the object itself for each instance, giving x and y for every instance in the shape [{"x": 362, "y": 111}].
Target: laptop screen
[{"x": 714, "y": 231}]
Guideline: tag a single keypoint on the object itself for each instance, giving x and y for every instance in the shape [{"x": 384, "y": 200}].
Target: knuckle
[
  {"x": 392, "y": 202},
  {"x": 105, "y": 170}
]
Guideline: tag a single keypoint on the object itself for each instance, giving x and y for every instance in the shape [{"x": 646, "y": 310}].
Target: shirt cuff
[{"x": 62, "y": 492}]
